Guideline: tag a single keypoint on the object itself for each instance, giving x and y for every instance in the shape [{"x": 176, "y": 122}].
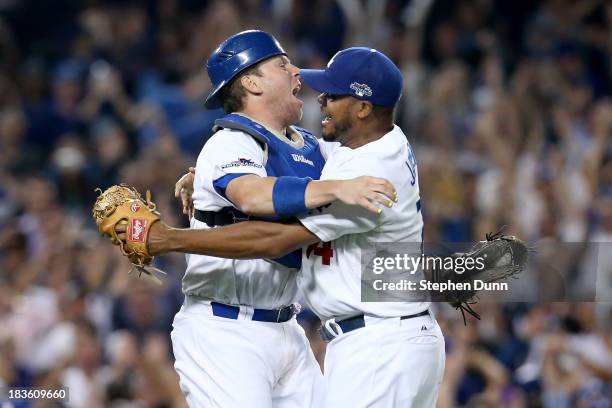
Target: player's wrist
[
  {"x": 158, "y": 240},
  {"x": 335, "y": 188},
  {"x": 320, "y": 192}
]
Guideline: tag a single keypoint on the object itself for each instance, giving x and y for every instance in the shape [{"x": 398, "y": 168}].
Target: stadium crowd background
[{"x": 506, "y": 104}]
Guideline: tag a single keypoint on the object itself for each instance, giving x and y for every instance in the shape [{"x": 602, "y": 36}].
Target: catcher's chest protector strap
[
  {"x": 225, "y": 216},
  {"x": 246, "y": 125},
  {"x": 230, "y": 215}
]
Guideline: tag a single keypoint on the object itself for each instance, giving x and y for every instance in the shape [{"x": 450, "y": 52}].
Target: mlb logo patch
[
  {"x": 138, "y": 227},
  {"x": 246, "y": 162},
  {"x": 361, "y": 89},
  {"x": 242, "y": 162}
]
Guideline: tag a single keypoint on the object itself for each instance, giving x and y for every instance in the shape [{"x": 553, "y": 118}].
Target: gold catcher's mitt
[{"x": 123, "y": 204}]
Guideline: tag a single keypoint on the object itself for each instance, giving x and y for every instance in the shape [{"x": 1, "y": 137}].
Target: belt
[
  {"x": 357, "y": 322},
  {"x": 260, "y": 315},
  {"x": 225, "y": 216}
]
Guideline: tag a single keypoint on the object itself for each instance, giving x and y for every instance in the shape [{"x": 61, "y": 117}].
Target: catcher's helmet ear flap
[{"x": 236, "y": 54}]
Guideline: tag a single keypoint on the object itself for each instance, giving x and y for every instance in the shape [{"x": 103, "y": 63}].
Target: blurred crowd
[{"x": 507, "y": 105}]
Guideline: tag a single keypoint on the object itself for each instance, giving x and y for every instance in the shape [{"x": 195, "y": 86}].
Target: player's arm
[
  {"x": 245, "y": 240},
  {"x": 288, "y": 196},
  {"x": 258, "y": 239},
  {"x": 338, "y": 219},
  {"x": 240, "y": 178}
]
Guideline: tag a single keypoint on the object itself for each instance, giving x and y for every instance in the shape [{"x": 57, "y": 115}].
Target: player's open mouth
[{"x": 296, "y": 90}]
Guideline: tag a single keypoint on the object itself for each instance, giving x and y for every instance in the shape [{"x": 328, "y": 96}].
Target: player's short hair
[
  {"x": 383, "y": 113},
  {"x": 232, "y": 94}
]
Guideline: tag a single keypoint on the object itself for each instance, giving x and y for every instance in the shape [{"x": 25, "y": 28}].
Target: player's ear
[
  {"x": 365, "y": 109},
  {"x": 251, "y": 84}
]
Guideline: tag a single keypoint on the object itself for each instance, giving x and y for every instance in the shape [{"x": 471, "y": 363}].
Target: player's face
[
  {"x": 336, "y": 122},
  {"x": 281, "y": 84}
]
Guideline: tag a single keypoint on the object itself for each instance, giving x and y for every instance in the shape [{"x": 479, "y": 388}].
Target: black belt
[
  {"x": 259, "y": 315},
  {"x": 357, "y": 322},
  {"x": 225, "y": 216}
]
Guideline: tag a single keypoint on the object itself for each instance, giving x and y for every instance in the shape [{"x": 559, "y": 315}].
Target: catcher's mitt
[
  {"x": 123, "y": 204},
  {"x": 503, "y": 256}
]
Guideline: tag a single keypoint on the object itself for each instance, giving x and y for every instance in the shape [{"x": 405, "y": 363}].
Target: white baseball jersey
[
  {"x": 330, "y": 278},
  {"x": 258, "y": 283}
]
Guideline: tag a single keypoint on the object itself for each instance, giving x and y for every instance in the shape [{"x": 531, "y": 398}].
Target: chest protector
[{"x": 283, "y": 159}]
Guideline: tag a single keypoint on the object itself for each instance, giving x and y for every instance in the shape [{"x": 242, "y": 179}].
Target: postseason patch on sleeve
[{"x": 241, "y": 162}]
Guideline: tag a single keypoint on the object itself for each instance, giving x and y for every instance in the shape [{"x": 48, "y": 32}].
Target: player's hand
[
  {"x": 156, "y": 239},
  {"x": 371, "y": 193},
  {"x": 183, "y": 189}
]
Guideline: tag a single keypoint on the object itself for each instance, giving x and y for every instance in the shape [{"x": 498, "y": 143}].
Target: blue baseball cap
[{"x": 363, "y": 73}]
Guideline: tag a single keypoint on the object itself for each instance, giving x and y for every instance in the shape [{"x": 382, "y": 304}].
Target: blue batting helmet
[{"x": 236, "y": 54}]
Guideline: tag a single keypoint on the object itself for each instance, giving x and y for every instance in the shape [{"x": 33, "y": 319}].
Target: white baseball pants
[
  {"x": 389, "y": 363},
  {"x": 230, "y": 363}
]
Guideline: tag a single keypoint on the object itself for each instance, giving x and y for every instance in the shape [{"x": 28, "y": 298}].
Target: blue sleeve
[{"x": 221, "y": 183}]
